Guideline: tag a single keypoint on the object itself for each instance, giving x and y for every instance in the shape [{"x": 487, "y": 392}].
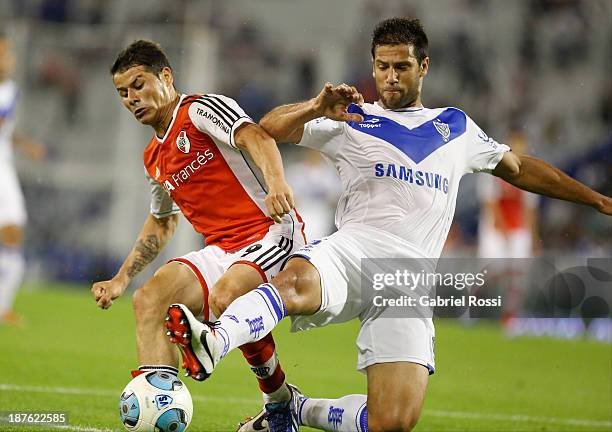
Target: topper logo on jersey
[
  {"x": 443, "y": 129},
  {"x": 180, "y": 177},
  {"x": 182, "y": 142},
  {"x": 334, "y": 417},
  {"x": 369, "y": 124},
  {"x": 483, "y": 136}
]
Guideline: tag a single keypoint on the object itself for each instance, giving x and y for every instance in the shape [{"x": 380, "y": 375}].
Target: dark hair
[
  {"x": 398, "y": 31},
  {"x": 141, "y": 53}
]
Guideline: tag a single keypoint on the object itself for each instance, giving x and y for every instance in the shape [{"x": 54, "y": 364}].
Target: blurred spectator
[
  {"x": 317, "y": 189},
  {"x": 13, "y": 213},
  {"x": 507, "y": 230},
  {"x": 508, "y": 220}
]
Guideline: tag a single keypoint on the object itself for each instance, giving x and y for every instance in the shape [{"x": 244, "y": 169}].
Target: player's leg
[
  {"x": 294, "y": 291},
  {"x": 397, "y": 355},
  {"x": 246, "y": 269},
  {"x": 12, "y": 264},
  {"x": 395, "y": 396},
  {"x": 297, "y": 290},
  {"x": 12, "y": 267},
  {"x": 261, "y": 356},
  {"x": 173, "y": 282},
  {"x": 346, "y": 414},
  {"x": 396, "y": 392},
  {"x": 396, "y": 352}
]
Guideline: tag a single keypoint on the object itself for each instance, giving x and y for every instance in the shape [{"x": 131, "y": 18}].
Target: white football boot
[{"x": 197, "y": 341}]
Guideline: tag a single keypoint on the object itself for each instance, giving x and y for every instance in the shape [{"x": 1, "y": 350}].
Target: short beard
[{"x": 408, "y": 100}]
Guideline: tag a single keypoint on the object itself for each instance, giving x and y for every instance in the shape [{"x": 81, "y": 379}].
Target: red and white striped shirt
[{"x": 197, "y": 168}]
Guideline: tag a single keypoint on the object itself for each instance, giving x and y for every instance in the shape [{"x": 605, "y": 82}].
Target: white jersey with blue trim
[
  {"x": 400, "y": 169},
  {"x": 8, "y": 99}
]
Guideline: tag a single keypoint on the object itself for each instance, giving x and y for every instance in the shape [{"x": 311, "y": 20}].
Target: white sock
[
  {"x": 12, "y": 267},
  {"x": 159, "y": 368},
  {"x": 250, "y": 317},
  {"x": 347, "y": 414},
  {"x": 281, "y": 395}
]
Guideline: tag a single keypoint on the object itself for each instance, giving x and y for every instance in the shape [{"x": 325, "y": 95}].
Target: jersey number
[{"x": 251, "y": 249}]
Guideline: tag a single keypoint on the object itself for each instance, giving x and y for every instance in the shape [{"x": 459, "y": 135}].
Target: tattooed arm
[{"x": 153, "y": 237}]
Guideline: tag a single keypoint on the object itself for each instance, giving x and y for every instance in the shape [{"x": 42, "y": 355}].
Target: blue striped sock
[
  {"x": 347, "y": 414},
  {"x": 250, "y": 317},
  {"x": 362, "y": 419}
]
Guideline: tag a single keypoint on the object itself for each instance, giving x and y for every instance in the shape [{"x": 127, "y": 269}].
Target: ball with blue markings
[{"x": 156, "y": 402}]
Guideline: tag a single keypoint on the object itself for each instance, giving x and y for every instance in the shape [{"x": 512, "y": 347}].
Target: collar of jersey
[
  {"x": 411, "y": 109},
  {"x": 176, "y": 108}
]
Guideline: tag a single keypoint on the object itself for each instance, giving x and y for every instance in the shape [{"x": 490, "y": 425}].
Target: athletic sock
[
  {"x": 150, "y": 368},
  {"x": 12, "y": 268},
  {"x": 262, "y": 357},
  {"x": 347, "y": 414},
  {"x": 250, "y": 317}
]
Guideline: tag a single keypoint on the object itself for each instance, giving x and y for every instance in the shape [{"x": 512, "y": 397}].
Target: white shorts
[
  {"x": 13, "y": 207},
  {"x": 267, "y": 256},
  {"x": 493, "y": 244},
  {"x": 381, "y": 339}
]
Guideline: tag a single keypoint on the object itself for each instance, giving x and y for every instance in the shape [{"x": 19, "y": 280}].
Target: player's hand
[
  {"x": 333, "y": 102},
  {"x": 105, "y": 292},
  {"x": 279, "y": 200},
  {"x": 605, "y": 206}
]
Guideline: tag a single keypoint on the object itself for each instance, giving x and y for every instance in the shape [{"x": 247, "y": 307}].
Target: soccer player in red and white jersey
[
  {"x": 507, "y": 228},
  {"x": 507, "y": 222},
  {"x": 211, "y": 162}
]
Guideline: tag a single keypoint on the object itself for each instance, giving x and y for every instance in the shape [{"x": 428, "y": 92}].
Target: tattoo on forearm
[{"x": 146, "y": 251}]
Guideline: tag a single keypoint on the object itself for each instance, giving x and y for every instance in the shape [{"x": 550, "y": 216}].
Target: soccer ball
[{"x": 156, "y": 402}]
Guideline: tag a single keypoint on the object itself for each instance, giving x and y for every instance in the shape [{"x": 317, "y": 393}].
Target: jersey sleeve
[
  {"x": 482, "y": 153},
  {"x": 321, "y": 134},
  {"x": 218, "y": 116},
  {"x": 161, "y": 203}
]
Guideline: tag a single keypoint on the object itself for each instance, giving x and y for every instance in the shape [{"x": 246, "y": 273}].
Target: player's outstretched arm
[
  {"x": 535, "y": 175},
  {"x": 265, "y": 154},
  {"x": 153, "y": 237},
  {"x": 286, "y": 123}
]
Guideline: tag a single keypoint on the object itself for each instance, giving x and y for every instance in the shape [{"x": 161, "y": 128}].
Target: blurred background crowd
[{"x": 541, "y": 69}]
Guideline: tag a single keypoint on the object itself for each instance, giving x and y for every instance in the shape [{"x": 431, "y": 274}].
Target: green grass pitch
[{"x": 71, "y": 356}]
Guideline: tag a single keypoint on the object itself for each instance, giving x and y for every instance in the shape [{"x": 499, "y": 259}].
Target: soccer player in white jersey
[
  {"x": 210, "y": 161},
  {"x": 400, "y": 165},
  {"x": 13, "y": 214}
]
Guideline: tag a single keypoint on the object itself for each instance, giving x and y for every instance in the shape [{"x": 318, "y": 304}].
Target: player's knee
[
  {"x": 400, "y": 420},
  {"x": 295, "y": 286},
  {"x": 223, "y": 294},
  {"x": 147, "y": 300}
]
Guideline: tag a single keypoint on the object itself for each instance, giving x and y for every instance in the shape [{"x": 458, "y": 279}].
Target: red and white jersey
[
  {"x": 510, "y": 200},
  {"x": 197, "y": 168}
]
